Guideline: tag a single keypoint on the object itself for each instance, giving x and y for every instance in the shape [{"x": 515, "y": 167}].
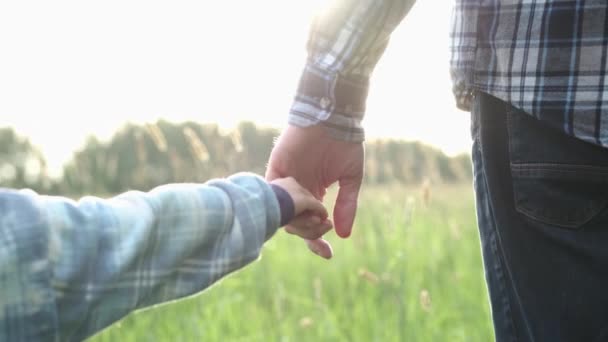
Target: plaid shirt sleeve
[
  {"x": 68, "y": 269},
  {"x": 345, "y": 43},
  {"x": 463, "y": 45}
]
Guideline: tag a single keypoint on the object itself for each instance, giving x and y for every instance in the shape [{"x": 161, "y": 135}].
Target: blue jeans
[{"x": 542, "y": 200}]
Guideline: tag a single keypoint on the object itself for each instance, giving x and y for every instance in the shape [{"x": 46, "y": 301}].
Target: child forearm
[{"x": 98, "y": 260}]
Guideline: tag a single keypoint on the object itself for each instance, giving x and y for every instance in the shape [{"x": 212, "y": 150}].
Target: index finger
[{"x": 320, "y": 247}]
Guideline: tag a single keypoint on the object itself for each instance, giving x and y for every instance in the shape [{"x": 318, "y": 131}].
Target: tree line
[{"x": 144, "y": 156}]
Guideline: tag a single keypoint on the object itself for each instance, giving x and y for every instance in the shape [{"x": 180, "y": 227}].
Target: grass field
[{"x": 411, "y": 272}]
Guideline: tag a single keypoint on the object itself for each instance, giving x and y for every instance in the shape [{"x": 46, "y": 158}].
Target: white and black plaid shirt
[{"x": 547, "y": 57}]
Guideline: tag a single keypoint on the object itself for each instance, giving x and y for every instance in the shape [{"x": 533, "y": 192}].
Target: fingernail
[{"x": 327, "y": 256}]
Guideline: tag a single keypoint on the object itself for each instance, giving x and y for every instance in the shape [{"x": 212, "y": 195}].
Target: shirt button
[{"x": 325, "y": 102}]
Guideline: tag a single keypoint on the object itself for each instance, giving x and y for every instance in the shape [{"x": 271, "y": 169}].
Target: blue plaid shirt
[
  {"x": 68, "y": 269},
  {"x": 546, "y": 57}
]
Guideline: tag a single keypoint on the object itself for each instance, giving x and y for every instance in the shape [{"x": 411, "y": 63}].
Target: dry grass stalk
[
  {"x": 157, "y": 137},
  {"x": 197, "y": 148}
]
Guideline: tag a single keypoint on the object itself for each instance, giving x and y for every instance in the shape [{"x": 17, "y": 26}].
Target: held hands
[
  {"x": 316, "y": 161},
  {"x": 310, "y": 219}
]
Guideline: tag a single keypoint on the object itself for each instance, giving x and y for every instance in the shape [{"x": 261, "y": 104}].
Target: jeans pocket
[
  {"x": 566, "y": 196},
  {"x": 557, "y": 179}
]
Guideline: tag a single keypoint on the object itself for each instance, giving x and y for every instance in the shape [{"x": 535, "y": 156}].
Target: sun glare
[{"x": 71, "y": 68}]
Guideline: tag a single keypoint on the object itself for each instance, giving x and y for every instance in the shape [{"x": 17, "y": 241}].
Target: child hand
[{"x": 310, "y": 214}]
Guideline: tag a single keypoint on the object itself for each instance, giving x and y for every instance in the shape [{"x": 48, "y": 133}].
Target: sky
[{"x": 69, "y": 69}]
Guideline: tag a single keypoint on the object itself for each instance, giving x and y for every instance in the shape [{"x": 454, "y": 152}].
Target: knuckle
[{"x": 290, "y": 229}]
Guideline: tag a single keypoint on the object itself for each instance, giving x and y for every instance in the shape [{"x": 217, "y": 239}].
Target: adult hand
[{"x": 316, "y": 161}]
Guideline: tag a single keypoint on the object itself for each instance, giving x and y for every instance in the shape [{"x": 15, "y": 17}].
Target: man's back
[{"x": 546, "y": 57}]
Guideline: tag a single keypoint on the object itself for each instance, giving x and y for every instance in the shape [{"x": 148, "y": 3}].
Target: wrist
[{"x": 286, "y": 204}]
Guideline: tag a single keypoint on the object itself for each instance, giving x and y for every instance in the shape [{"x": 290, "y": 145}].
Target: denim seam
[
  {"x": 496, "y": 248},
  {"x": 496, "y": 245},
  {"x": 564, "y": 223},
  {"x": 569, "y": 167}
]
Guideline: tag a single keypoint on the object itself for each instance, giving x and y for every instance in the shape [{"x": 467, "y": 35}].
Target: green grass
[{"x": 410, "y": 272}]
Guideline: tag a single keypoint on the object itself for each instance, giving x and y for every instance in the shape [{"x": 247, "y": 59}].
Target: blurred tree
[
  {"x": 21, "y": 164},
  {"x": 144, "y": 156},
  {"x": 256, "y": 145}
]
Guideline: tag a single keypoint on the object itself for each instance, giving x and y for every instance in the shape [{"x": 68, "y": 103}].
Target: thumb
[{"x": 346, "y": 206}]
